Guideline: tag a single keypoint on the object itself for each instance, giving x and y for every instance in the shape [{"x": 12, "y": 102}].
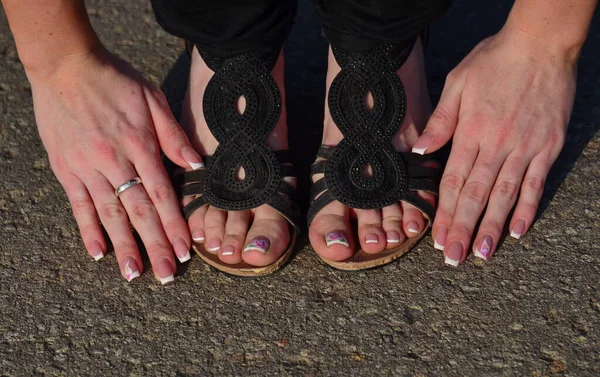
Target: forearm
[
  {"x": 563, "y": 24},
  {"x": 50, "y": 32}
]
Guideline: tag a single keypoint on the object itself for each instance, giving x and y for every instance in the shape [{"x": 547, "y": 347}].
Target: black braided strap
[
  {"x": 241, "y": 140},
  {"x": 368, "y": 135}
]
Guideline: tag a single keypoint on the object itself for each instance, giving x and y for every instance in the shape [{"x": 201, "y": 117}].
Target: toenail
[
  {"x": 228, "y": 250},
  {"x": 213, "y": 245},
  {"x": 440, "y": 238},
  {"x": 519, "y": 228},
  {"x": 336, "y": 238},
  {"x": 261, "y": 244},
  {"x": 423, "y": 143},
  {"x": 484, "y": 248},
  {"x": 182, "y": 250},
  {"x": 371, "y": 238},
  {"x": 412, "y": 227},
  {"x": 164, "y": 270},
  {"x": 198, "y": 235},
  {"x": 392, "y": 236},
  {"x": 454, "y": 253},
  {"x": 130, "y": 269}
]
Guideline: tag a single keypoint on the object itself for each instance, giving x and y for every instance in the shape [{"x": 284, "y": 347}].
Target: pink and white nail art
[
  {"x": 260, "y": 244},
  {"x": 335, "y": 238},
  {"x": 483, "y": 251},
  {"x": 130, "y": 274}
]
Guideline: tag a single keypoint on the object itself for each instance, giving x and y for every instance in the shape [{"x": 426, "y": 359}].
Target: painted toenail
[
  {"x": 519, "y": 228},
  {"x": 261, "y": 244},
  {"x": 227, "y": 250},
  {"x": 440, "y": 238},
  {"x": 454, "y": 253},
  {"x": 392, "y": 236},
  {"x": 130, "y": 270},
  {"x": 412, "y": 227},
  {"x": 371, "y": 238},
  {"x": 484, "y": 248},
  {"x": 182, "y": 250},
  {"x": 336, "y": 238},
  {"x": 423, "y": 143},
  {"x": 213, "y": 245},
  {"x": 192, "y": 158},
  {"x": 198, "y": 235}
]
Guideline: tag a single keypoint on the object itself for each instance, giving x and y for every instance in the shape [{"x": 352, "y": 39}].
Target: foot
[
  {"x": 331, "y": 233},
  {"x": 258, "y": 236}
]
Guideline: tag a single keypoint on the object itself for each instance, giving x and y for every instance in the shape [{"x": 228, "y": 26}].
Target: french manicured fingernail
[
  {"x": 96, "y": 251},
  {"x": 423, "y": 143},
  {"x": 412, "y": 227},
  {"x": 213, "y": 245},
  {"x": 333, "y": 238},
  {"x": 484, "y": 248},
  {"x": 164, "y": 270},
  {"x": 370, "y": 238},
  {"x": 192, "y": 158},
  {"x": 182, "y": 250},
  {"x": 227, "y": 250},
  {"x": 198, "y": 235},
  {"x": 440, "y": 238},
  {"x": 130, "y": 269},
  {"x": 261, "y": 244},
  {"x": 454, "y": 253},
  {"x": 392, "y": 236},
  {"x": 519, "y": 228}
]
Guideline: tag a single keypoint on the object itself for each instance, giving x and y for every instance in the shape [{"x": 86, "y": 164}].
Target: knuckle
[
  {"x": 452, "y": 183},
  {"x": 535, "y": 184},
  {"x": 476, "y": 192},
  {"x": 105, "y": 150},
  {"x": 81, "y": 207},
  {"x": 161, "y": 194},
  {"x": 142, "y": 210},
  {"x": 111, "y": 211},
  {"x": 506, "y": 189},
  {"x": 441, "y": 116},
  {"x": 452, "y": 77}
]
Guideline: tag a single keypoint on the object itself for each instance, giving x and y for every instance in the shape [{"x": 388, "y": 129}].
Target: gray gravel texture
[{"x": 531, "y": 311}]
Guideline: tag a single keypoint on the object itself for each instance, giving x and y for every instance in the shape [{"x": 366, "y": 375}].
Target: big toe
[
  {"x": 330, "y": 233},
  {"x": 268, "y": 237}
]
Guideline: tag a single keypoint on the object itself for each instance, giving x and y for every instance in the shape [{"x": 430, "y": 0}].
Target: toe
[
  {"x": 267, "y": 239},
  {"x": 370, "y": 231},
  {"x": 330, "y": 233},
  {"x": 196, "y": 224},
  {"x": 236, "y": 229},
  {"x": 413, "y": 221},
  {"x": 392, "y": 225},
  {"x": 214, "y": 229}
]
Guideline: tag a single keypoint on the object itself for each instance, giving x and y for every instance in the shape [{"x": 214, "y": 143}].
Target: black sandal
[
  {"x": 242, "y": 145},
  {"x": 367, "y": 143}
]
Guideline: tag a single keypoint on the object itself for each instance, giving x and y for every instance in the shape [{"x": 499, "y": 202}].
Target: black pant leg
[
  {"x": 225, "y": 28},
  {"x": 359, "y": 25}
]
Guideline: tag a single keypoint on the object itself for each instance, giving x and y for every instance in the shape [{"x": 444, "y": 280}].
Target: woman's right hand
[{"x": 103, "y": 124}]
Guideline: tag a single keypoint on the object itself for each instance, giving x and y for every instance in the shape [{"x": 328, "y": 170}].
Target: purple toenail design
[
  {"x": 259, "y": 244},
  {"x": 335, "y": 238}
]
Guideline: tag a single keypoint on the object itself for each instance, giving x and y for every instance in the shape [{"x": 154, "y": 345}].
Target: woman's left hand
[{"x": 507, "y": 106}]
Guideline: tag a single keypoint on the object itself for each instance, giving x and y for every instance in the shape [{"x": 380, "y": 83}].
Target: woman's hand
[
  {"x": 507, "y": 106},
  {"x": 102, "y": 125}
]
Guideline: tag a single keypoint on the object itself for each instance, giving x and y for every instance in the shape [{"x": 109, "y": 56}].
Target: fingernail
[
  {"x": 164, "y": 270},
  {"x": 454, "y": 253},
  {"x": 484, "y": 248},
  {"x": 392, "y": 236},
  {"x": 191, "y": 157},
  {"x": 370, "y": 238},
  {"x": 130, "y": 269},
  {"x": 423, "y": 143},
  {"x": 182, "y": 250},
  {"x": 335, "y": 238},
  {"x": 440, "y": 238},
  {"x": 96, "y": 251},
  {"x": 198, "y": 235},
  {"x": 213, "y": 245},
  {"x": 227, "y": 250},
  {"x": 261, "y": 244},
  {"x": 412, "y": 227},
  {"x": 519, "y": 228}
]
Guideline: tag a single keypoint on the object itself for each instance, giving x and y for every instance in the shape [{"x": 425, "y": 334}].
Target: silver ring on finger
[{"x": 127, "y": 185}]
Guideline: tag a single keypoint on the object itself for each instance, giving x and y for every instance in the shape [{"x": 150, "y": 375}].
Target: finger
[
  {"x": 532, "y": 189},
  {"x": 392, "y": 225},
  {"x": 145, "y": 219},
  {"x": 236, "y": 229},
  {"x": 114, "y": 219},
  {"x": 461, "y": 160},
  {"x": 86, "y": 217},
  {"x": 171, "y": 137},
  {"x": 163, "y": 197},
  {"x": 471, "y": 202},
  {"x": 444, "y": 119}
]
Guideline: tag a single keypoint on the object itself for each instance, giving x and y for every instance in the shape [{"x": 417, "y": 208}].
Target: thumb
[
  {"x": 443, "y": 120},
  {"x": 171, "y": 138}
]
